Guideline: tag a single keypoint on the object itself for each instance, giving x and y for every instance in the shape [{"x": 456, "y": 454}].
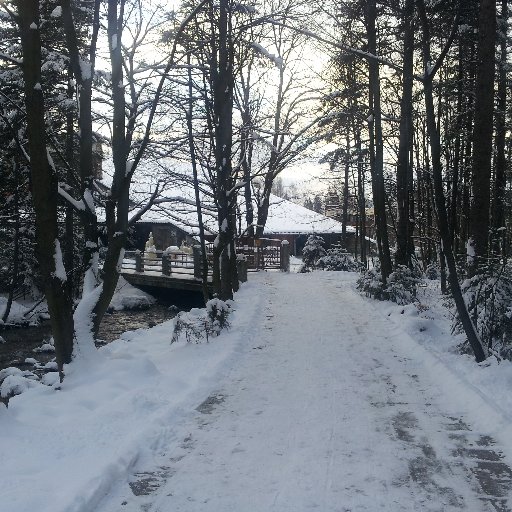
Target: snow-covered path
[{"x": 329, "y": 408}]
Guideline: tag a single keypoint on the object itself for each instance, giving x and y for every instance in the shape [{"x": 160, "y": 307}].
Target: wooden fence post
[
  {"x": 241, "y": 267},
  {"x": 139, "y": 266},
  {"x": 198, "y": 262},
  {"x": 166, "y": 265},
  {"x": 285, "y": 256}
]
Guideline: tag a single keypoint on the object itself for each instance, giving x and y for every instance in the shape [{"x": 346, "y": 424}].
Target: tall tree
[
  {"x": 377, "y": 144},
  {"x": 405, "y": 221},
  {"x": 44, "y": 185},
  {"x": 478, "y": 242},
  {"x": 435, "y": 148}
]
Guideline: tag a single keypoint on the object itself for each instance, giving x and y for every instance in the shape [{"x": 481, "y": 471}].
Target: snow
[
  {"x": 278, "y": 61},
  {"x": 16, "y": 313},
  {"x": 45, "y": 347},
  {"x": 79, "y": 205},
  {"x": 83, "y": 323},
  {"x": 120, "y": 259},
  {"x": 89, "y": 200},
  {"x": 127, "y": 296},
  {"x": 85, "y": 69},
  {"x": 60, "y": 271},
  {"x": 129, "y": 163},
  {"x": 106, "y": 414},
  {"x": 470, "y": 251},
  {"x": 285, "y": 217},
  {"x": 57, "y": 12},
  {"x": 15, "y": 385},
  {"x": 176, "y": 205},
  {"x": 316, "y": 398}
]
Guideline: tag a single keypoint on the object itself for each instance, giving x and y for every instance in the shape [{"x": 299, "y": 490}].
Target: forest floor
[{"x": 315, "y": 399}]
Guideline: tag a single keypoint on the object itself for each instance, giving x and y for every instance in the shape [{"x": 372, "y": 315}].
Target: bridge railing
[
  {"x": 160, "y": 262},
  {"x": 263, "y": 253},
  {"x": 260, "y": 254}
]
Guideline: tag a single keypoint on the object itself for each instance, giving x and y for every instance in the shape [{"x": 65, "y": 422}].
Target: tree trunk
[
  {"x": 69, "y": 242},
  {"x": 192, "y": 149},
  {"x": 344, "y": 215},
  {"x": 16, "y": 244},
  {"x": 405, "y": 246},
  {"x": 223, "y": 115},
  {"x": 435, "y": 148},
  {"x": 498, "y": 217},
  {"x": 44, "y": 187},
  {"x": 118, "y": 203},
  {"x": 361, "y": 198},
  {"x": 376, "y": 144},
  {"x": 482, "y": 137}
]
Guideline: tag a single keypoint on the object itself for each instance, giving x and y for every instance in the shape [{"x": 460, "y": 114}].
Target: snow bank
[
  {"x": 483, "y": 388},
  {"x": 127, "y": 296},
  {"x": 16, "y": 313},
  {"x": 62, "y": 446}
]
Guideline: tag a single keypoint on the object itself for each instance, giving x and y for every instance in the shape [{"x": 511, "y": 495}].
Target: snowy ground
[{"x": 316, "y": 399}]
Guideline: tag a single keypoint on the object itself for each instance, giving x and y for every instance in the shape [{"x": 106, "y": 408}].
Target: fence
[{"x": 260, "y": 254}]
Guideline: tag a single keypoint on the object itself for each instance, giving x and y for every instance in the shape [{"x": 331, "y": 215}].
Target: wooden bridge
[{"x": 181, "y": 270}]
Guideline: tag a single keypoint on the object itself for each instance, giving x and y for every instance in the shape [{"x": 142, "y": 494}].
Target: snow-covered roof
[
  {"x": 177, "y": 206},
  {"x": 285, "y": 217}
]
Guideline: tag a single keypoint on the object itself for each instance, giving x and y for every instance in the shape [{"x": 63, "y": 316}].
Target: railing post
[
  {"x": 285, "y": 256},
  {"x": 198, "y": 262},
  {"x": 166, "y": 264},
  {"x": 241, "y": 267},
  {"x": 139, "y": 266}
]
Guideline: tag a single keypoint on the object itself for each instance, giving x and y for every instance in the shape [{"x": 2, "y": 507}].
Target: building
[{"x": 172, "y": 223}]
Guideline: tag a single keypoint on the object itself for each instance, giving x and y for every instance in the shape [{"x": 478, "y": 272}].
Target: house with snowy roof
[
  {"x": 175, "y": 221},
  {"x": 173, "y": 218}
]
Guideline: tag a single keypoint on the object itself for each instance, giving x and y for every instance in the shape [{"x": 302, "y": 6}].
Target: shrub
[
  {"x": 201, "y": 324},
  {"x": 432, "y": 272},
  {"x": 400, "y": 288},
  {"x": 313, "y": 251},
  {"x": 218, "y": 312},
  {"x": 338, "y": 259},
  {"x": 488, "y": 295},
  {"x": 370, "y": 283}
]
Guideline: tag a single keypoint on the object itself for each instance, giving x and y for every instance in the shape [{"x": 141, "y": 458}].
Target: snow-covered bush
[
  {"x": 432, "y": 272},
  {"x": 218, "y": 311},
  {"x": 201, "y": 324},
  {"x": 312, "y": 252},
  {"x": 400, "y": 288},
  {"x": 401, "y": 285},
  {"x": 14, "y": 381},
  {"x": 488, "y": 296},
  {"x": 338, "y": 259},
  {"x": 370, "y": 283}
]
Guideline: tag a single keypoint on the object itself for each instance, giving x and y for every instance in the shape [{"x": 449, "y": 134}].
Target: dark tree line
[{"x": 433, "y": 88}]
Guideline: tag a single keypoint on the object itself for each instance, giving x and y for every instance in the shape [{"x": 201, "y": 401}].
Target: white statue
[{"x": 150, "y": 251}]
